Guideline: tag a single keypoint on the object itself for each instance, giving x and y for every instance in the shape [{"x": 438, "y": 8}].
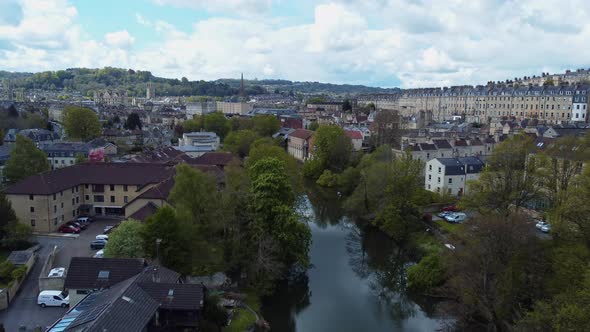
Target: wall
[
  {"x": 53, "y": 283},
  {"x": 7, "y": 294}
]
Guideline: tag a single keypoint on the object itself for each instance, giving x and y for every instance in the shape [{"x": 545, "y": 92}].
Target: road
[{"x": 23, "y": 310}]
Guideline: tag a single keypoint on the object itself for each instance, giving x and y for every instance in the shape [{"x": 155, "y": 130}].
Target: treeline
[
  {"x": 134, "y": 82},
  {"x": 310, "y": 87}
]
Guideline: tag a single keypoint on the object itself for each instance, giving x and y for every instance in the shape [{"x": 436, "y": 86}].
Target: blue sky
[{"x": 386, "y": 43}]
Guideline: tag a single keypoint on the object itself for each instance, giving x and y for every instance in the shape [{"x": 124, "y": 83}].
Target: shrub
[
  {"x": 327, "y": 179},
  {"x": 430, "y": 272},
  {"x": 19, "y": 273}
]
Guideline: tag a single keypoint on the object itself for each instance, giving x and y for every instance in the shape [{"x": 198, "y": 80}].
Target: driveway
[{"x": 23, "y": 310}]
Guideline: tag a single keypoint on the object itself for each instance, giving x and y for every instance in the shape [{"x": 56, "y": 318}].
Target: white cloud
[
  {"x": 236, "y": 7},
  {"x": 120, "y": 39},
  {"x": 426, "y": 43}
]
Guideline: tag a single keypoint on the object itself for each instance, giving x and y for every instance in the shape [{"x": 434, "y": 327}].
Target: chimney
[{"x": 155, "y": 275}]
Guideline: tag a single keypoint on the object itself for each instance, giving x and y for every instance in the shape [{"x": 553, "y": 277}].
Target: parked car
[
  {"x": 444, "y": 214},
  {"x": 99, "y": 254},
  {"x": 53, "y": 298},
  {"x": 77, "y": 224},
  {"x": 450, "y": 208},
  {"x": 57, "y": 272},
  {"x": 456, "y": 218},
  {"x": 98, "y": 244},
  {"x": 85, "y": 220},
  {"x": 67, "y": 228},
  {"x": 108, "y": 229},
  {"x": 541, "y": 223},
  {"x": 546, "y": 228},
  {"x": 102, "y": 237},
  {"x": 450, "y": 246}
]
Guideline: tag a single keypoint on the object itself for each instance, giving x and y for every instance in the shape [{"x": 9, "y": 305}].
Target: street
[{"x": 23, "y": 310}]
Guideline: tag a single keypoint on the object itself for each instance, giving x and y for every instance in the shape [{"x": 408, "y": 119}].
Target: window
[
  {"x": 450, "y": 180},
  {"x": 439, "y": 169},
  {"x": 73, "y": 213},
  {"x": 125, "y": 199},
  {"x": 31, "y": 197},
  {"x": 430, "y": 167},
  {"x": 32, "y": 209},
  {"x": 61, "y": 194},
  {"x": 54, "y": 208},
  {"x": 82, "y": 291},
  {"x": 54, "y": 197},
  {"x": 62, "y": 161},
  {"x": 55, "y": 221},
  {"x": 125, "y": 188},
  {"x": 428, "y": 187},
  {"x": 71, "y": 162},
  {"x": 76, "y": 188},
  {"x": 57, "y": 162},
  {"x": 112, "y": 187},
  {"x": 439, "y": 179},
  {"x": 72, "y": 190},
  {"x": 99, "y": 188},
  {"x": 77, "y": 200},
  {"x": 112, "y": 199},
  {"x": 62, "y": 218},
  {"x": 73, "y": 201},
  {"x": 429, "y": 177},
  {"x": 87, "y": 197},
  {"x": 98, "y": 198},
  {"x": 86, "y": 186},
  {"x": 33, "y": 222},
  {"x": 62, "y": 205}
]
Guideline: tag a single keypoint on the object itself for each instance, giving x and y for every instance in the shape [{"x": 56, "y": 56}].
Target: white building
[
  {"x": 580, "y": 105},
  {"x": 200, "y": 108},
  {"x": 449, "y": 175},
  {"x": 240, "y": 108},
  {"x": 196, "y": 144}
]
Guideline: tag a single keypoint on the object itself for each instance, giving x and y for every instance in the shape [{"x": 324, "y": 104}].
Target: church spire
[{"x": 242, "y": 92}]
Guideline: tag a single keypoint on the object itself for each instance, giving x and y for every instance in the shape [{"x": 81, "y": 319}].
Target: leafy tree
[
  {"x": 81, "y": 123},
  {"x": 17, "y": 236},
  {"x": 192, "y": 125},
  {"x": 239, "y": 142},
  {"x": 241, "y": 123},
  {"x": 80, "y": 158},
  {"x": 266, "y": 125},
  {"x": 316, "y": 100},
  {"x": 327, "y": 179},
  {"x": 332, "y": 148},
  {"x": 314, "y": 125},
  {"x": 508, "y": 180},
  {"x": 429, "y": 273},
  {"x": 7, "y": 215},
  {"x": 175, "y": 244},
  {"x": 126, "y": 241},
  {"x": 346, "y": 106},
  {"x": 25, "y": 160},
  {"x": 133, "y": 121},
  {"x": 217, "y": 123},
  {"x": 263, "y": 148}
]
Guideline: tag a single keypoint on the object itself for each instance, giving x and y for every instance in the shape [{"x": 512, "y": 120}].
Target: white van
[
  {"x": 53, "y": 298},
  {"x": 102, "y": 237}
]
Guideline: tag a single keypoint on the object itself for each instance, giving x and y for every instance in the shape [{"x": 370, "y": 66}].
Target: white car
[
  {"x": 541, "y": 224},
  {"x": 450, "y": 246},
  {"x": 546, "y": 228},
  {"x": 99, "y": 254},
  {"x": 53, "y": 298},
  {"x": 57, "y": 272},
  {"x": 456, "y": 218},
  {"x": 102, "y": 237}
]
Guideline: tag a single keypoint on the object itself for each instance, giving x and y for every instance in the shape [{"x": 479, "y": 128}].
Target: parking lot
[{"x": 23, "y": 310}]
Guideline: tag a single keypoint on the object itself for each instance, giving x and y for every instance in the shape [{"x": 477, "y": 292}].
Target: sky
[{"x": 387, "y": 43}]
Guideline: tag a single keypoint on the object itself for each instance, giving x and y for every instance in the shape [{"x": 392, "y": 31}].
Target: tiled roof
[
  {"x": 91, "y": 173},
  {"x": 354, "y": 134},
  {"x": 442, "y": 143},
  {"x": 145, "y": 212},
  {"x": 302, "y": 134},
  {"x": 83, "y": 272},
  {"x": 213, "y": 158},
  {"x": 461, "y": 142}
]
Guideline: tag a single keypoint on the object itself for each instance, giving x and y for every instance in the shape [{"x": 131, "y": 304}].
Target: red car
[
  {"x": 450, "y": 208},
  {"x": 69, "y": 229}
]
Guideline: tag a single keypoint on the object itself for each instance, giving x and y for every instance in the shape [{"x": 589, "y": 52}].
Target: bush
[
  {"x": 430, "y": 272},
  {"x": 312, "y": 169},
  {"x": 349, "y": 179},
  {"x": 6, "y": 269},
  {"x": 327, "y": 179},
  {"x": 19, "y": 273}
]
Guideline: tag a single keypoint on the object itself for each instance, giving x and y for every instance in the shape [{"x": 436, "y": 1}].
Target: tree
[
  {"x": 332, "y": 148},
  {"x": 217, "y": 123},
  {"x": 7, "y": 215},
  {"x": 508, "y": 179},
  {"x": 81, "y": 123},
  {"x": 192, "y": 125},
  {"x": 429, "y": 273},
  {"x": 346, "y": 105},
  {"x": 126, "y": 241},
  {"x": 263, "y": 148},
  {"x": 133, "y": 121},
  {"x": 174, "y": 249},
  {"x": 25, "y": 160},
  {"x": 239, "y": 142},
  {"x": 80, "y": 158},
  {"x": 266, "y": 125},
  {"x": 313, "y": 126}
]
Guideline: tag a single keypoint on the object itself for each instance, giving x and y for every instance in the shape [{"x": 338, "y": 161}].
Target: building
[
  {"x": 36, "y": 135},
  {"x": 299, "y": 143},
  {"x": 356, "y": 138},
  {"x": 197, "y": 143},
  {"x": 240, "y": 108},
  {"x": 111, "y": 97},
  {"x": 330, "y": 107},
  {"x": 126, "y": 295},
  {"x": 4, "y": 156},
  {"x": 580, "y": 105},
  {"x": 450, "y": 175},
  {"x": 150, "y": 91},
  {"x": 200, "y": 108},
  {"x": 47, "y": 200},
  {"x": 63, "y": 154}
]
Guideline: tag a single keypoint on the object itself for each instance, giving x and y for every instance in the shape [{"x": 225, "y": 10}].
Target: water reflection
[{"x": 358, "y": 282}]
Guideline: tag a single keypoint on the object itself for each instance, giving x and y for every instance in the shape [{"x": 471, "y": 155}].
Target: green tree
[
  {"x": 217, "y": 123},
  {"x": 314, "y": 125},
  {"x": 332, "y": 148},
  {"x": 7, "y": 215},
  {"x": 264, "y": 148},
  {"x": 25, "y": 160},
  {"x": 80, "y": 158},
  {"x": 428, "y": 274},
  {"x": 126, "y": 241},
  {"x": 192, "y": 125},
  {"x": 239, "y": 142},
  {"x": 174, "y": 250},
  {"x": 133, "y": 121},
  {"x": 81, "y": 123},
  {"x": 346, "y": 105},
  {"x": 266, "y": 125}
]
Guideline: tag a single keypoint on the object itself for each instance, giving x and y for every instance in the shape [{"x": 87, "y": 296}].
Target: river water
[{"x": 357, "y": 282}]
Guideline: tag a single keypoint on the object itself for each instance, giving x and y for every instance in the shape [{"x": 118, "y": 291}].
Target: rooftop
[{"x": 93, "y": 273}]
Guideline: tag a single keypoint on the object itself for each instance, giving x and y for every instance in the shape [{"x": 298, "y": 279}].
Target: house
[
  {"x": 196, "y": 144},
  {"x": 299, "y": 143},
  {"x": 152, "y": 299},
  {"x": 559, "y": 131},
  {"x": 36, "y": 135},
  {"x": 87, "y": 274},
  {"x": 63, "y": 154},
  {"x": 357, "y": 139},
  {"x": 219, "y": 159},
  {"x": 4, "y": 156},
  {"x": 449, "y": 175}
]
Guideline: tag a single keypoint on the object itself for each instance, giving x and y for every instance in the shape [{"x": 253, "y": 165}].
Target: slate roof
[
  {"x": 175, "y": 296},
  {"x": 91, "y": 173},
  {"x": 213, "y": 158},
  {"x": 83, "y": 271},
  {"x": 20, "y": 257},
  {"x": 158, "y": 274},
  {"x": 459, "y": 166},
  {"x": 145, "y": 212},
  {"x": 427, "y": 146},
  {"x": 4, "y": 153},
  {"x": 442, "y": 143}
]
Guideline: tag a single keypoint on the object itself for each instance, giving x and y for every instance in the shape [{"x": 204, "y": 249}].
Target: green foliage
[
  {"x": 332, "y": 148},
  {"x": 265, "y": 148},
  {"x": 241, "y": 123},
  {"x": 316, "y": 100},
  {"x": 133, "y": 122},
  {"x": 217, "y": 123},
  {"x": 17, "y": 236},
  {"x": 348, "y": 180},
  {"x": 25, "y": 160},
  {"x": 429, "y": 273},
  {"x": 327, "y": 179},
  {"x": 126, "y": 241},
  {"x": 312, "y": 168},
  {"x": 6, "y": 269},
  {"x": 193, "y": 125},
  {"x": 239, "y": 142},
  {"x": 214, "y": 313},
  {"x": 314, "y": 125},
  {"x": 81, "y": 123},
  {"x": 80, "y": 158},
  {"x": 7, "y": 215},
  {"x": 19, "y": 273},
  {"x": 266, "y": 125}
]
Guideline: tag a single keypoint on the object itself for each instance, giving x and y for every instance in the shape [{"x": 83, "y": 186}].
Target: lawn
[
  {"x": 241, "y": 321},
  {"x": 448, "y": 227}
]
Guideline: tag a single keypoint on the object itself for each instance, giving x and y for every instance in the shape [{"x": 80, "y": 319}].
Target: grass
[
  {"x": 241, "y": 321},
  {"x": 448, "y": 227}
]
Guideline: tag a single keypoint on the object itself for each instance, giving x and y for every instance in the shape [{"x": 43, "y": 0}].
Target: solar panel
[{"x": 89, "y": 315}]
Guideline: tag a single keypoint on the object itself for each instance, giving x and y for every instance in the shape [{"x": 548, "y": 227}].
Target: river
[{"x": 356, "y": 283}]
